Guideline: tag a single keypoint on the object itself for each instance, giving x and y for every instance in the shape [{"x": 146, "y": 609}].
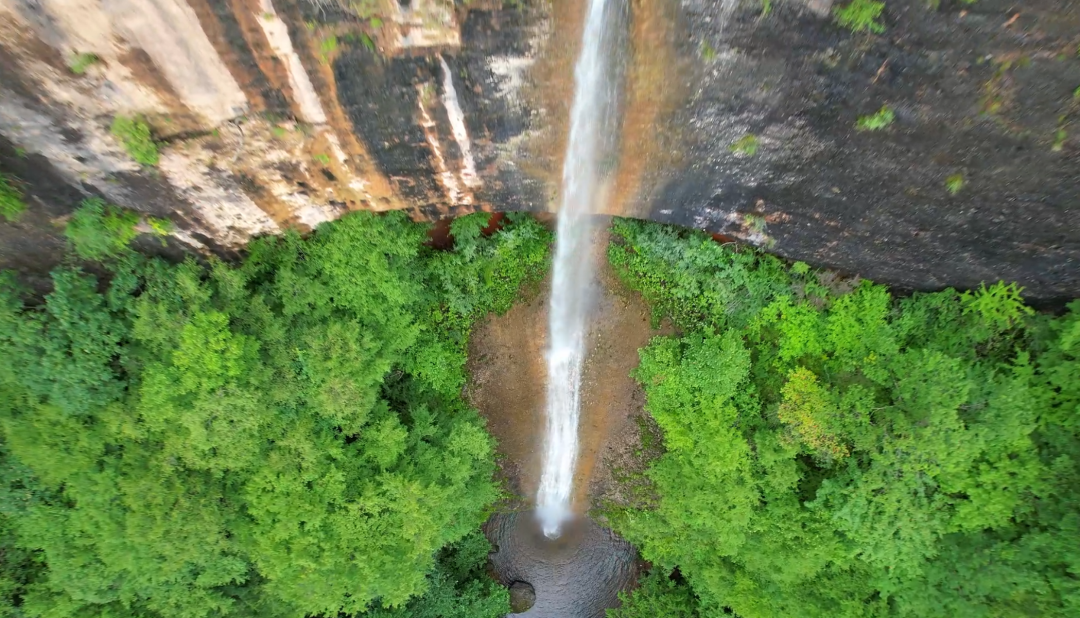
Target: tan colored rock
[
  {"x": 167, "y": 32},
  {"x": 422, "y": 25}
]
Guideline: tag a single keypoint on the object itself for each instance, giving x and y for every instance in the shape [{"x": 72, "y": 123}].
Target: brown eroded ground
[{"x": 507, "y": 383}]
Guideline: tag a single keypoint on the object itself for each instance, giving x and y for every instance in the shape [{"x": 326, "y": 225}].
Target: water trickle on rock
[{"x": 591, "y": 119}]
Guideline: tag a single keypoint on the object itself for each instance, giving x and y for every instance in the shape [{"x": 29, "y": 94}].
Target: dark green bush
[{"x": 657, "y": 595}]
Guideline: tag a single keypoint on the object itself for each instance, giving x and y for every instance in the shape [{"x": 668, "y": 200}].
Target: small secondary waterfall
[{"x": 591, "y": 119}]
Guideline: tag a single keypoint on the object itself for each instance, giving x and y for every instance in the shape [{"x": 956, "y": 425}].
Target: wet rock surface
[
  {"x": 578, "y": 575},
  {"x": 383, "y": 96},
  {"x": 979, "y": 91},
  {"x": 522, "y": 597}
]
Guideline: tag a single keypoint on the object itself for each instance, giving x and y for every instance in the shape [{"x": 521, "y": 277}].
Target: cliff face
[
  {"x": 983, "y": 95},
  {"x": 286, "y": 113}
]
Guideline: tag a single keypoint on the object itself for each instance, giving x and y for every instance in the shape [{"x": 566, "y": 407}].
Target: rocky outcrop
[
  {"x": 522, "y": 597},
  {"x": 735, "y": 118},
  {"x": 982, "y": 94}
]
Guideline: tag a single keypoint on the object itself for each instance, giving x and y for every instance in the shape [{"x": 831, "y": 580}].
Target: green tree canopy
[
  {"x": 834, "y": 451},
  {"x": 280, "y": 437}
]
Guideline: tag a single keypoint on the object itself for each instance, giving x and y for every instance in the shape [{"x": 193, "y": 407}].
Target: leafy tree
[
  {"x": 458, "y": 586},
  {"x": 814, "y": 420},
  {"x": 657, "y": 594},
  {"x": 834, "y": 451},
  {"x": 281, "y": 437}
]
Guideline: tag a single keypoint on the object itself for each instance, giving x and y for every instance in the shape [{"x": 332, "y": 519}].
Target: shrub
[
  {"x": 79, "y": 63},
  {"x": 876, "y": 122},
  {"x": 708, "y": 53},
  {"x": 364, "y": 9},
  {"x": 327, "y": 47},
  {"x": 98, "y": 230},
  {"x": 134, "y": 134},
  {"x": 954, "y": 183},
  {"x": 746, "y": 146},
  {"x": 11, "y": 199},
  {"x": 1060, "y": 136},
  {"x": 860, "y": 16},
  {"x": 160, "y": 227}
]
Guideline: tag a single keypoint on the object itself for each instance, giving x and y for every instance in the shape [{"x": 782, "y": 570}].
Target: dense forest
[
  {"x": 832, "y": 451},
  {"x": 284, "y": 436}
]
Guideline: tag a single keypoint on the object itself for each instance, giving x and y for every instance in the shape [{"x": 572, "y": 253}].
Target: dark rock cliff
[{"x": 982, "y": 94}]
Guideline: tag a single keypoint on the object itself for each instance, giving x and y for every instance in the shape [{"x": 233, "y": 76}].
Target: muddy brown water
[{"x": 581, "y": 573}]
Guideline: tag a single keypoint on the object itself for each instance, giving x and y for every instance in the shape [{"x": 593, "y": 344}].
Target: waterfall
[{"x": 590, "y": 120}]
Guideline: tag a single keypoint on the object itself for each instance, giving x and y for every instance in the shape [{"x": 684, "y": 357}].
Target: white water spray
[{"x": 591, "y": 114}]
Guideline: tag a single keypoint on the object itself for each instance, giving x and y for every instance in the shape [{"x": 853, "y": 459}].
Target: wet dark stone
[
  {"x": 33, "y": 245},
  {"x": 522, "y": 597},
  {"x": 381, "y": 97},
  {"x": 578, "y": 575},
  {"x": 492, "y": 118},
  {"x": 875, "y": 203}
]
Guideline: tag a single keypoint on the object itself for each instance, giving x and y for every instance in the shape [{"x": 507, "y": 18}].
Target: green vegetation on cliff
[
  {"x": 97, "y": 231},
  {"x": 832, "y": 451},
  {"x": 134, "y": 134},
  {"x": 876, "y": 121},
  {"x": 12, "y": 205},
  {"x": 860, "y": 16},
  {"x": 280, "y": 437},
  {"x": 79, "y": 63}
]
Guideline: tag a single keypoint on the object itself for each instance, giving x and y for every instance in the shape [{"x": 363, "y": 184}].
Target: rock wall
[
  {"x": 268, "y": 113},
  {"x": 285, "y": 113},
  {"x": 982, "y": 93}
]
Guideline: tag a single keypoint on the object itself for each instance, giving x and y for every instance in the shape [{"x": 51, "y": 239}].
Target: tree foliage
[
  {"x": 458, "y": 586},
  {"x": 97, "y": 230},
  {"x": 658, "y": 595},
  {"x": 834, "y": 451},
  {"x": 281, "y": 437}
]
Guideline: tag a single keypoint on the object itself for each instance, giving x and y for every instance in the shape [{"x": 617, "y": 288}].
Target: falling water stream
[{"x": 590, "y": 122}]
